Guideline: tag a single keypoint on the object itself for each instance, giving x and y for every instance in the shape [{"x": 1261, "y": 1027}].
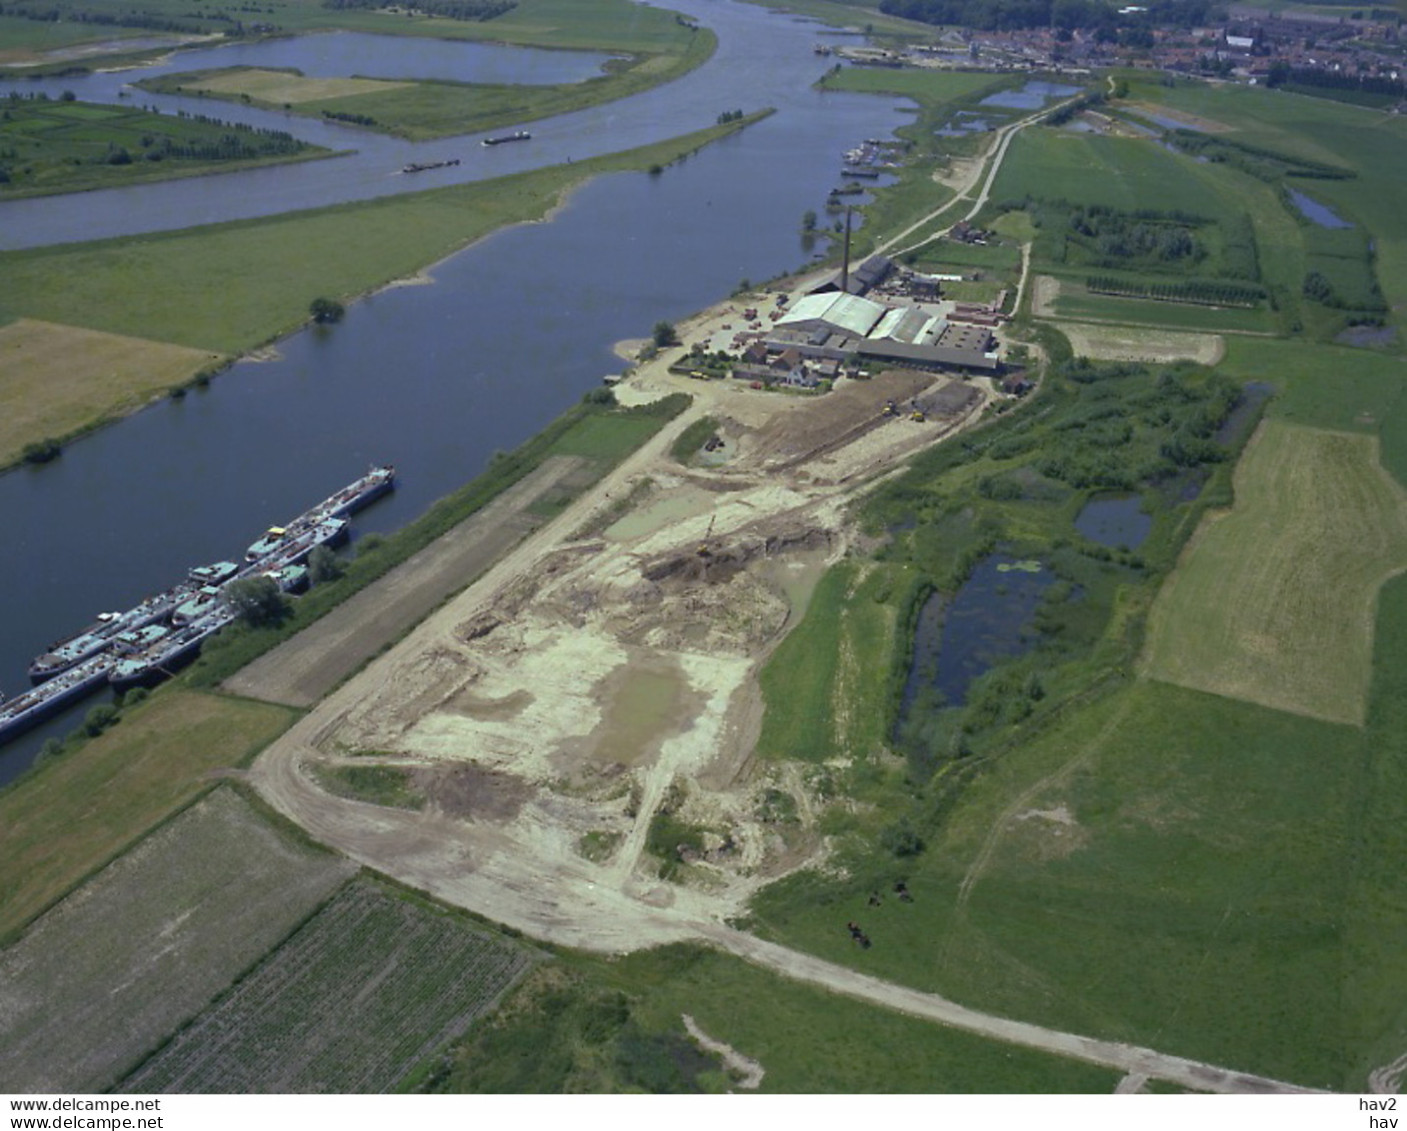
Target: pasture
[
  {"x": 1122, "y": 173},
  {"x": 1275, "y": 602},
  {"x": 56, "y": 380},
  {"x": 1073, "y": 300},
  {"x": 1369, "y": 142},
  {"x": 64, "y": 822},
  {"x": 103, "y": 976},
  {"x": 1158, "y": 866},
  {"x": 355, "y": 999},
  {"x": 277, "y": 87},
  {"x": 840, "y": 652}
]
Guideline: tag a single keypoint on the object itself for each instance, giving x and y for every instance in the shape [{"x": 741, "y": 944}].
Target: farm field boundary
[
  {"x": 69, "y": 817},
  {"x": 1274, "y": 601},
  {"x": 110, "y": 971},
  {"x": 1118, "y": 344},
  {"x": 360, "y": 994}
]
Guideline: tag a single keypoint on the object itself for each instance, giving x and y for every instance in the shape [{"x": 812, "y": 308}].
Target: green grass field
[
  {"x": 1076, "y": 302},
  {"x": 61, "y": 823},
  {"x": 1364, "y": 140},
  {"x": 53, "y": 146},
  {"x": 1122, "y": 173},
  {"x": 1275, "y": 602},
  {"x": 841, "y": 652},
  {"x": 1322, "y": 386},
  {"x": 1174, "y": 883},
  {"x": 23, "y": 40},
  {"x": 589, "y": 1025}
]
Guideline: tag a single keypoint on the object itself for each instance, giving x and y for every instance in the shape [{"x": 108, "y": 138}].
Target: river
[
  {"x": 431, "y": 378},
  {"x": 763, "y": 59}
]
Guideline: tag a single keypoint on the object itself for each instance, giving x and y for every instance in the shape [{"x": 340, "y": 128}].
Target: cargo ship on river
[
  {"x": 146, "y": 643},
  {"x": 521, "y": 135}
]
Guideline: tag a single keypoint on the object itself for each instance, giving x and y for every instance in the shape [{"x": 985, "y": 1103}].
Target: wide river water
[{"x": 431, "y": 378}]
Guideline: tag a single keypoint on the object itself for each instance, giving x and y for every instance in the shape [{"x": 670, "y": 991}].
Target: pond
[
  {"x": 1169, "y": 123},
  {"x": 1234, "y": 427},
  {"x": 987, "y": 621},
  {"x": 1032, "y": 96},
  {"x": 1315, "y": 212},
  {"x": 963, "y": 123},
  {"x": 1115, "y": 520}
]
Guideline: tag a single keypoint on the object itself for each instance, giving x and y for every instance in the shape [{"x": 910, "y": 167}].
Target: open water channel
[{"x": 431, "y": 378}]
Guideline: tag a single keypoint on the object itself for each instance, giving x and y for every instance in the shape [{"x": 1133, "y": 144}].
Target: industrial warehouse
[{"x": 842, "y": 324}]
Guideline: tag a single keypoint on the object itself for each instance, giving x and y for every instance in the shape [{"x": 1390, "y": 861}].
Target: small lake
[
  {"x": 1315, "y": 212},
  {"x": 1115, "y": 520},
  {"x": 989, "y": 620},
  {"x": 1032, "y": 96}
]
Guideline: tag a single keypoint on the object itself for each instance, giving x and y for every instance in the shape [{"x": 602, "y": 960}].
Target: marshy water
[
  {"x": 988, "y": 620},
  {"x": 1115, "y": 520}
]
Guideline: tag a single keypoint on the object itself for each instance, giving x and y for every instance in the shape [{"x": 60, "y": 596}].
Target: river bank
[{"x": 154, "y": 292}]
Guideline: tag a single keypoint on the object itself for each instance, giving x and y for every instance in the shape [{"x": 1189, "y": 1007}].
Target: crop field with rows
[
  {"x": 353, "y": 1001},
  {"x": 103, "y": 976}
]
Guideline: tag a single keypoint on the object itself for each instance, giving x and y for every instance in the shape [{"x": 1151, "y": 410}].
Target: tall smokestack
[{"x": 845, "y": 262}]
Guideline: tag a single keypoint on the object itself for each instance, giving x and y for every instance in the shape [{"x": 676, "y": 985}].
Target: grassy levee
[
  {"x": 231, "y": 287},
  {"x": 430, "y": 109},
  {"x": 588, "y": 1025},
  {"x": 24, "y": 40},
  {"x": 70, "y": 817},
  {"x": 1275, "y": 601}
]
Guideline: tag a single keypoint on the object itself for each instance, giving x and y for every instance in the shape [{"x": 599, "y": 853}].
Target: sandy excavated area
[{"x": 606, "y": 667}]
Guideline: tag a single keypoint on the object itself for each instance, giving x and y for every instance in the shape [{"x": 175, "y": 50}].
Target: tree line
[
  {"x": 1199, "y": 292},
  {"x": 475, "y": 10}
]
